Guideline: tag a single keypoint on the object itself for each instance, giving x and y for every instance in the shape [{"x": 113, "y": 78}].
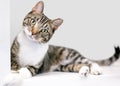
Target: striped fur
[
  {"x": 39, "y": 29},
  {"x": 111, "y": 59}
]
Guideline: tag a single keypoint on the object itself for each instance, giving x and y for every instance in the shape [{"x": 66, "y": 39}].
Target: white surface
[
  {"x": 90, "y": 26},
  {"x": 110, "y": 77}
]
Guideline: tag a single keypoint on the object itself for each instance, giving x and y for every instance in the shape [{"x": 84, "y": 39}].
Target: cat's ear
[
  {"x": 57, "y": 22},
  {"x": 39, "y": 7}
]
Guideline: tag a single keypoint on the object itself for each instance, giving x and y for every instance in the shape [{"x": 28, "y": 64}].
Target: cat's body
[
  {"x": 31, "y": 53},
  {"x": 45, "y": 57}
]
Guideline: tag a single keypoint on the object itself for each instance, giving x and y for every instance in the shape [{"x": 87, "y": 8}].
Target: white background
[
  {"x": 4, "y": 39},
  {"x": 90, "y": 26}
]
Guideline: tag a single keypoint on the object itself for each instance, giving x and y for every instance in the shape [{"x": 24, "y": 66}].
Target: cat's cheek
[
  {"x": 40, "y": 40},
  {"x": 27, "y": 31}
]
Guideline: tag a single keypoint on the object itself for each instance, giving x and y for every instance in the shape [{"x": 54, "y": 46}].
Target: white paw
[
  {"x": 13, "y": 79},
  {"x": 25, "y": 73},
  {"x": 84, "y": 71},
  {"x": 95, "y": 69}
]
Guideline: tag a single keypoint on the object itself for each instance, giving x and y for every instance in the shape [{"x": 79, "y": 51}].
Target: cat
[{"x": 31, "y": 53}]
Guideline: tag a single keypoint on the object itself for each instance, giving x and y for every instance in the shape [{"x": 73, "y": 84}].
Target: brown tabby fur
[{"x": 61, "y": 58}]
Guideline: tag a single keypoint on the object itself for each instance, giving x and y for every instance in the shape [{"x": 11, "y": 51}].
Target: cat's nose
[{"x": 34, "y": 31}]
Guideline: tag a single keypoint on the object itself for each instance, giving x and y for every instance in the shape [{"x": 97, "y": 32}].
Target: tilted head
[{"x": 37, "y": 26}]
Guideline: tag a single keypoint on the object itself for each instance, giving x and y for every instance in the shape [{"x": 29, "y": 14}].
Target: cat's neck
[
  {"x": 29, "y": 49},
  {"x": 23, "y": 37}
]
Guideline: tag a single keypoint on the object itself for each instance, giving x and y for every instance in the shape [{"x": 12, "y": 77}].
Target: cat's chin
[{"x": 32, "y": 38}]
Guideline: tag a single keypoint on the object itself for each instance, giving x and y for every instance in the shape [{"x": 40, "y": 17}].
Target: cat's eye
[
  {"x": 44, "y": 30},
  {"x": 32, "y": 22}
]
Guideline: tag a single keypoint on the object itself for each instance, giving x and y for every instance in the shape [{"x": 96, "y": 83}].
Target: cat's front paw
[
  {"x": 13, "y": 79},
  {"x": 84, "y": 71},
  {"x": 16, "y": 78},
  {"x": 95, "y": 69}
]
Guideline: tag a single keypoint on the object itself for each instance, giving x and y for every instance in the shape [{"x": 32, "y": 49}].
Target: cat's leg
[
  {"x": 95, "y": 69},
  {"x": 82, "y": 69},
  {"x": 15, "y": 78}
]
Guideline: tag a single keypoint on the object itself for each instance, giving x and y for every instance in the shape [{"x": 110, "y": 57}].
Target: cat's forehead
[{"x": 34, "y": 15}]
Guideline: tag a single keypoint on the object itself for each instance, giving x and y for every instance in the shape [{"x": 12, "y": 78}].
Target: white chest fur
[{"x": 31, "y": 52}]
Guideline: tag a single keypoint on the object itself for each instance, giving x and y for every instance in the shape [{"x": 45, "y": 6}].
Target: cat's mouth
[
  {"x": 31, "y": 31},
  {"x": 35, "y": 38}
]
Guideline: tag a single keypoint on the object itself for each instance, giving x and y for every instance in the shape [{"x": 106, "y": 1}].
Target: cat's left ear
[
  {"x": 39, "y": 7},
  {"x": 57, "y": 22}
]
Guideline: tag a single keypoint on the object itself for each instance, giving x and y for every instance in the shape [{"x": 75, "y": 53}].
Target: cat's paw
[
  {"x": 95, "y": 69},
  {"x": 13, "y": 79},
  {"x": 16, "y": 78},
  {"x": 84, "y": 71}
]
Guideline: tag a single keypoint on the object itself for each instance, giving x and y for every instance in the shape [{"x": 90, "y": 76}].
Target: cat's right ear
[
  {"x": 57, "y": 22},
  {"x": 39, "y": 7}
]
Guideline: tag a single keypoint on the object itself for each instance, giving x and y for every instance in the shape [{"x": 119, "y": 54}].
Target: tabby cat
[{"x": 31, "y": 54}]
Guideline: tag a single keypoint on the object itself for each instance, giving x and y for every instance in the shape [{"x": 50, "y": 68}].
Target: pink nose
[{"x": 34, "y": 31}]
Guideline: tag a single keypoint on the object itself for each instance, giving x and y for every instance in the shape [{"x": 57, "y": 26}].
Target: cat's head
[{"x": 37, "y": 26}]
